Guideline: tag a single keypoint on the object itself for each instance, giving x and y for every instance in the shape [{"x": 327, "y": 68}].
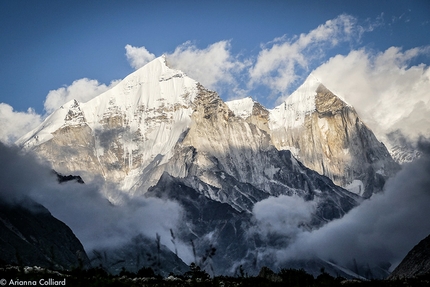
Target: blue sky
[{"x": 263, "y": 49}]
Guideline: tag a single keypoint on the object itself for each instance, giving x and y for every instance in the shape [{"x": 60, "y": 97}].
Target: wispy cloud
[
  {"x": 15, "y": 124},
  {"x": 385, "y": 88},
  {"x": 82, "y": 90},
  {"x": 138, "y": 56},
  {"x": 214, "y": 66},
  {"x": 279, "y": 62},
  {"x": 211, "y": 66}
]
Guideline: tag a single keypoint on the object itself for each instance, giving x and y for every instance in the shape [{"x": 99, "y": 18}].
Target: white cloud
[
  {"x": 214, "y": 66},
  {"x": 277, "y": 66},
  {"x": 83, "y": 207},
  {"x": 16, "y": 124},
  {"x": 283, "y": 215},
  {"x": 210, "y": 66},
  {"x": 385, "y": 89},
  {"x": 381, "y": 229},
  {"x": 138, "y": 56},
  {"x": 82, "y": 90}
]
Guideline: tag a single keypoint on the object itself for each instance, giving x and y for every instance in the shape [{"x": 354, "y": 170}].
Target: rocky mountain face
[
  {"x": 223, "y": 238},
  {"x": 160, "y": 133},
  {"x": 326, "y": 135},
  {"x": 218, "y": 174},
  {"x": 31, "y": 236},
  {"x": 218, "y": 231},
  {"x": 230, "y": 160},
  {"x": 416, "y": 262}
]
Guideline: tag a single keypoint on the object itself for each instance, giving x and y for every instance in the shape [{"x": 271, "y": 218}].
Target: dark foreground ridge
[
  {"x": 416, "y": 262},
  {"x": 30, "y": 235},
  {"x": 37, "y": 276}
]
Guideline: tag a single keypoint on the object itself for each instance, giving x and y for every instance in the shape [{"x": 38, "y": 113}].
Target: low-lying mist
[
  {"x": 96, "y": 221},
  {"x": 381, "y": 230}
]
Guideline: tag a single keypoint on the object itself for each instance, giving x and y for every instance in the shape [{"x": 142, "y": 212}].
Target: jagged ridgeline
[{"x": 159, "y": 133}]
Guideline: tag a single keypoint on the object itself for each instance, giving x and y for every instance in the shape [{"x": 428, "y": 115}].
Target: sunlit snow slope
[{"x": 121, "y": 131}]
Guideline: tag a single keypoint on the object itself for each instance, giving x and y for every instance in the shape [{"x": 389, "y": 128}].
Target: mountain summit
[
  {"x": 121, "y": 131},
  {"x": 326, "y": 134}
]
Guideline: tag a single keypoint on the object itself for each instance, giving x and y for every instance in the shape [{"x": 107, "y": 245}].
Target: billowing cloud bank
[
  {"x": 388, "y": 92},
  {"x": 15, "y": 124},
  {"x": 380, "y": 230},
  {"x": 84, "y": 208}
]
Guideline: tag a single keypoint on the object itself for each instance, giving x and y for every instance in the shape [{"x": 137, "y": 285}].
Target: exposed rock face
[
  {"x": 221, "y": 168},
  {"x": 233, "y": 161},
  {"x": 327, "y": 136},
  {"x": 31, "y": 236},
  {"x": 211, "y": 224},
  {"x": 251, "y": 111},
  {"x": 221, "y": 236},
  {"x": 416, "y": 262},
  {"x": 219, "y": 225},
  {"x": 72, "y": 149}
]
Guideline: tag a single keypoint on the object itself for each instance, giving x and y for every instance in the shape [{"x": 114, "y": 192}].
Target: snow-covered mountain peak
[
  {"x": 151, "y": 84},
  {"x": 311, "y": 96},
  {"x": 327, "y": 135},
  {"x": 242, "y": 107},
  {"x": 304, "y": 97},
  {"x": 123, "y": 129},
  {"x": 154, "y": 88},
  {"x": 300, "y": 103},
  {"x": 311, "y": 81}
]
